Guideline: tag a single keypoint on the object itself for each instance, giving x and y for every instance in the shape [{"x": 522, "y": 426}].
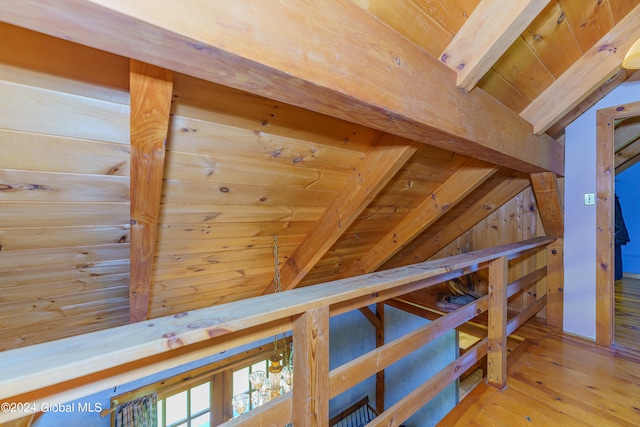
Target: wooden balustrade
[{"x": 70, "y": 368}]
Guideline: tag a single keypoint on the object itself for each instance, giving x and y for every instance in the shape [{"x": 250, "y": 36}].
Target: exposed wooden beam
[
  {"x": 315, "y": 54},
  {"x": 486, "y": 35},
  {"x": 478, "y": 211},
  {"x": 371, "y": 317},
  {"x": 545, "y": 188},
  {"x": 594, "y": 68},
  {"x": 151, "y": 90},
  {"x": 375, "y": 170},
  {"x": 467, "y": 178}
]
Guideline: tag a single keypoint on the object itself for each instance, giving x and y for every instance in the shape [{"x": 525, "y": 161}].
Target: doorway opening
[{"x": 606, "y": 120}]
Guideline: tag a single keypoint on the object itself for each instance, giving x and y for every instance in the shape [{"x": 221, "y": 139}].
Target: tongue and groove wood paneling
[
  {"x": 239, "y": 170},
  {"x": 64, "y": 204}
]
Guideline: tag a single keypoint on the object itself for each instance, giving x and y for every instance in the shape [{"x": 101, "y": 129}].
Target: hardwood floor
[
  {"x": 627, "y": 329},
  {"x": 560, "y": 380}
]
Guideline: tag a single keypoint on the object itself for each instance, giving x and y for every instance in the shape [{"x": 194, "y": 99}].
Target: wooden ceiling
[
  {"x": 548, "y": 61},
  {"x": 150, "y": 154}
]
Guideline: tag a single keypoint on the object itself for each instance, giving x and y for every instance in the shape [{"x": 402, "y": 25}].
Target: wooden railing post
[
  {"x": 311, "y": 369},
  {"x": 497, "y": 350},
  {"x": 555, "y": 284}
]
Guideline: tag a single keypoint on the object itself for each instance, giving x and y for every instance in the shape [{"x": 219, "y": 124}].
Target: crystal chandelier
[{"x": 279, "y": 380}]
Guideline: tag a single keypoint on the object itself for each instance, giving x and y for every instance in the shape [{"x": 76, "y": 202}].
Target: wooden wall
[
  {"x": 64, "y": 199},
  {"x": 514, "y": 221},
  {"x": 239, "y": 169}
]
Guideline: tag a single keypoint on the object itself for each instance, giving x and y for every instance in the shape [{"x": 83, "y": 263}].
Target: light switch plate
[{"x": 589, "y": 199}]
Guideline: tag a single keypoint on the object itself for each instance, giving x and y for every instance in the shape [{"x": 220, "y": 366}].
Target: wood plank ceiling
[{"x": 133, "y": 191}]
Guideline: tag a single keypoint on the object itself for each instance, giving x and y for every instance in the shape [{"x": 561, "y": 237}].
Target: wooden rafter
[
  {"x": 486, "y": 35},
  {"x": 378, "y": 166},
  {"x": 545, "y": 188},
  {"x": 595, "y": 67},
  {"x": 627, "y": 157},
  {"x": 151, "y": 90},
  {"x": 478, "y": 211},
  {"x": 626, "y": 133},
  {"x": 467, "y": 178},
  {"x": 280, "y": 51}
]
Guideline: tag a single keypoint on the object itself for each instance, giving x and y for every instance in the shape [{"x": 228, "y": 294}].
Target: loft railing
[{"x": 67, "y": 369}]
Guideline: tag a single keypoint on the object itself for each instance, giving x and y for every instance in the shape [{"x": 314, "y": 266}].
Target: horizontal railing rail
[{"x": 74, "y": 367}]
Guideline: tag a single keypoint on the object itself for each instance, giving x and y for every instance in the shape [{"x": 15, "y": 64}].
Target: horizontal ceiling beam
[{"x": 329, "y": 57}]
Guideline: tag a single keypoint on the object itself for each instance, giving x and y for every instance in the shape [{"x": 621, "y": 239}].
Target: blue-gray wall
[
  {"x": 351, "y": 335},
  {"x": 407, "y": 374}
]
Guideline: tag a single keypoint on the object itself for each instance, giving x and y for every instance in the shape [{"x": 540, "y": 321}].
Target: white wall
[{"x": 580, "y": 220}]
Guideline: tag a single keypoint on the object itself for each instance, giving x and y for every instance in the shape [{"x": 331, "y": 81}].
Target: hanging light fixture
[
  {"x": 275, "y": 376},
  {"x": 631, "y": 60},
  {"x": 280, "y": 370},
  {"x": 276, "y": 368}
]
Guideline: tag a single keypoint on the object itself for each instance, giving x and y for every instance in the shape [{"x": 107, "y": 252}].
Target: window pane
[
  {"x": 200, "y": 398},
  {"x": 260, "y": 366},
  {"x": 176, "y": 407},
  {"x": 201, "y": 421},
  {"x": 160, "y": 420},
  {"x": 241, "y": 381}
]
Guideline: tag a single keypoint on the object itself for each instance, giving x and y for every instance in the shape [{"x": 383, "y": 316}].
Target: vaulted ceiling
[{"x": 153, "y": 149}]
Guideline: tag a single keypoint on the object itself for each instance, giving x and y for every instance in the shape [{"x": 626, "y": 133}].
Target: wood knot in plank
[
  {"x": 203, "y": 324},
  {"x": 216, "y": 332},
  {"x": 607, "y": 47},
  {"x": 173, "y": 341}
]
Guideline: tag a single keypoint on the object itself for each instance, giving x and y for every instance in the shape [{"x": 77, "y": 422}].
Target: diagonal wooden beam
[
  {"x": 375, "y": 170},
  {"x": 492, "y": 27},
  {"x": 626, "y": 133},
  {"x": 545, "y": 188},
  {"x": 151, "y": 91},
  {"x": 594, "y": 68},
  {"x": 371, "y": 317},
  {"x": 475, "y": 213},
  {"x": 467, "y": 178},
  {"x": 330, "y": 57}
]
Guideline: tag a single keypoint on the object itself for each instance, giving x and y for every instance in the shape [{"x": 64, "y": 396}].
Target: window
[
  {"x": 187, "y": 408},
  {"x": 203, "y": 396}
]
